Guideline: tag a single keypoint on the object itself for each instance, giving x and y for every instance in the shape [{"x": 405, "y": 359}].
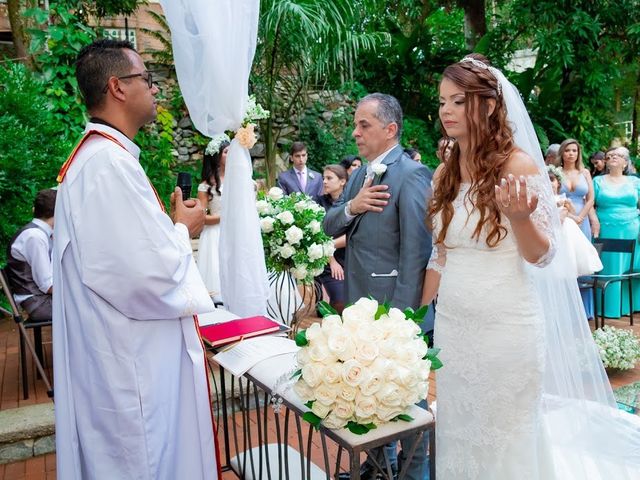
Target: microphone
[{"x": 184, "y": 183}]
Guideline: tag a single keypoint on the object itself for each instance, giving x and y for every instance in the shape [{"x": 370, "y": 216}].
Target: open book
[{"x": 234, "y": 330}]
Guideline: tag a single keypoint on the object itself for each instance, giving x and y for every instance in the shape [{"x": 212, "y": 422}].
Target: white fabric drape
[{"x": 214, "y": 43}]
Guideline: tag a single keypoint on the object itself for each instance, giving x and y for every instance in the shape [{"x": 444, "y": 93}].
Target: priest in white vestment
[{"x": 131, "y": 393}]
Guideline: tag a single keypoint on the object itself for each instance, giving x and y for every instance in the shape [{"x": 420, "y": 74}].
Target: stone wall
[{"x": 187, "y": 142}]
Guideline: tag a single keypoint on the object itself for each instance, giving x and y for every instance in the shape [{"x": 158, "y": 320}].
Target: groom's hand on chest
[{"x": 369, "y": 198}]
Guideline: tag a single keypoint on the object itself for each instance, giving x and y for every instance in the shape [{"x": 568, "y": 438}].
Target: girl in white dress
[
  {"x": 522, "y": 394},
  {"x": 210, "y": 194}
]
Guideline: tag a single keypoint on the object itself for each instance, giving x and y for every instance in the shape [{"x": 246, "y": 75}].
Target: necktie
[{"x": 303, "y": 180}]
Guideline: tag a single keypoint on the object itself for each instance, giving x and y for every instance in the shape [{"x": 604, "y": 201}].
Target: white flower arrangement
[
  {"x": 292, "y": 234},
  {"x": 214, "y": 145},
  {"x": 556, "y": 172},
  {"x": 246, "y": 134},
  {"x": 365, "y": 368},
  {"x": 618, "y": 348}
]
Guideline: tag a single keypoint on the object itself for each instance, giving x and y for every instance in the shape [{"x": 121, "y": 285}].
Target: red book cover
[{"x": 234, "y": 330}]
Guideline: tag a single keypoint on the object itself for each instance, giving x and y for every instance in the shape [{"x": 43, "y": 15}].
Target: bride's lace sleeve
[
  {"x": 545, "y": 216},
  {"x": 438, "y": 257}
]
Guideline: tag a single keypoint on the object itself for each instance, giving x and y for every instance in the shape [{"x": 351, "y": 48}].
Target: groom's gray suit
[{"x": 387, "y": 252}]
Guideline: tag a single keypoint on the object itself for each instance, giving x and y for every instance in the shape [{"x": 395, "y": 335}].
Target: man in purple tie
[{"x": 299, "y": 178}]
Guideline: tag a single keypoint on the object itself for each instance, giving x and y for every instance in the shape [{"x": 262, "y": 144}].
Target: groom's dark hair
[
  {"x": 388, "y": 111},
  {"x": 98, "y": 62}
]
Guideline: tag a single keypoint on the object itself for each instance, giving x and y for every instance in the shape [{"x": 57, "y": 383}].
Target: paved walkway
[{"x": 43, "y": 467}]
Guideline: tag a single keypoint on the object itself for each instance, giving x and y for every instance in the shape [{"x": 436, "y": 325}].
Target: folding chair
[
  {"x": 25, "y": 341},
  {"x": 602, "y": 282}
]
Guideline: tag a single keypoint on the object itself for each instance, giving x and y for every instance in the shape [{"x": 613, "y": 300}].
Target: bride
[{"x": 522, "y": 394}]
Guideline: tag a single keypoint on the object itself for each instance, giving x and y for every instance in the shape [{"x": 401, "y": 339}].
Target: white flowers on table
[
  {"x": 365, "y": 368},
  {"x": 292, "y": 234},
  {"x": 618, "y": 348}
]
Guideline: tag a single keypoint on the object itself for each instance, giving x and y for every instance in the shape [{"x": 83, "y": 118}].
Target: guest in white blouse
[{"x": 29, "y": 259}]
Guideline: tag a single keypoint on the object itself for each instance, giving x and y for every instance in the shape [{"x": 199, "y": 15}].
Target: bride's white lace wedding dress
[{"x": 490, "y": 327}]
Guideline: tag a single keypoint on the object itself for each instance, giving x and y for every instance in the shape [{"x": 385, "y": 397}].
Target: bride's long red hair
[{"x": 490, "y": 146}]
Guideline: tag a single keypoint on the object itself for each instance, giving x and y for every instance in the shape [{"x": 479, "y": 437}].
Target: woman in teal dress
[{"x": 616, "y": 197}]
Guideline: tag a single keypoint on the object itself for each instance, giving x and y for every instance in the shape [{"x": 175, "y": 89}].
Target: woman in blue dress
[
  {"x": 578, "y": 187},
  {"x": 617, "y": 196}
]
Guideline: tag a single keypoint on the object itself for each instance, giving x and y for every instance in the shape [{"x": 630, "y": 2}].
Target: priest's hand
[{"x": 190, "y": 212}]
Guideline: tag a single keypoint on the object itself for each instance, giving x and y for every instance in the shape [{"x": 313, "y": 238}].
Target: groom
[{"x": 383, "y": 216}]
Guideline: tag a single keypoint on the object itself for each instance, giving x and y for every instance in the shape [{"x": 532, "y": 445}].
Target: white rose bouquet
[
  {"x": 292, "y": 234},
  {"x": 618, "y": 348},
  {"x": 364, "y": 368}
]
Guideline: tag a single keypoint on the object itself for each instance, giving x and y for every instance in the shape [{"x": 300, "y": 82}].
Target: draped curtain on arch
[{"x": 214, "y": 42}]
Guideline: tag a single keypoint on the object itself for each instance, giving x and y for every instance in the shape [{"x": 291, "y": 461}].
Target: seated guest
[
  {"x": 332, "y": 279},
  {"x": 29, "y": 259},
  {"x": 351, "y": 163},
  {"x": 299, "y": 178},
  {"x": 617, "y": 196}
]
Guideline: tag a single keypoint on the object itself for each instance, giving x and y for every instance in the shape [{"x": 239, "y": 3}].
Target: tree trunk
[
  {"x": 270, "y": 154},
  {"x": 20, "y": 38},
  {"x": 475, "y": 22}
]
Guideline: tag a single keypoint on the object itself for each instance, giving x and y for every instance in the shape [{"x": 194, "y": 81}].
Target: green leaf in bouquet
[
  {"x": 433, "y": 352},
  {"x": 313, "y": 419},
  {"x": 425, "y": 337},
  {"x": 325, "y": 309},
  {"x": 435, "y": 362},
  {"x": 404, "y": 417},
  {"x": 297, "y": 373},
  {"x": 383, "y": 309},
  {"x": 359, "y": 428},
  {"x": 301, "y": 338},
  {"x": 421, "y": 312},
  {"x": 409, "y": 313},
  {"x": 309, "y": 404}
]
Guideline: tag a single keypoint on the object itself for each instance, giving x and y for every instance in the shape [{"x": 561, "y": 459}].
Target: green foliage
[
  {"x": 313, "y": 419},
  {"x": 301, "y": 338},
  {"x": 404, "y": 417},
  {"x": 163, "y": 56},
  {"x": 325, "y": 309},
  {"x": 33, "y": 146},
  {"x": 359, "y": 428},
  {"x": 582, "y": 69},
  {"x": 423, "y": 137},
  {"x": 302, "y": 43},
  {"x": 383, "y": 309},
  {"x": 55, "y": 48},
  {"x": 328, "y": 141}
]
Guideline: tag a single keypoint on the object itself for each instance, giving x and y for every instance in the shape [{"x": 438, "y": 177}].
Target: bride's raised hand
[{"x": 512, "y": 199}]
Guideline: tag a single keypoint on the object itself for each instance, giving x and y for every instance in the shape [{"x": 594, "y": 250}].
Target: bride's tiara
[{"x": 480, "y": 64}]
